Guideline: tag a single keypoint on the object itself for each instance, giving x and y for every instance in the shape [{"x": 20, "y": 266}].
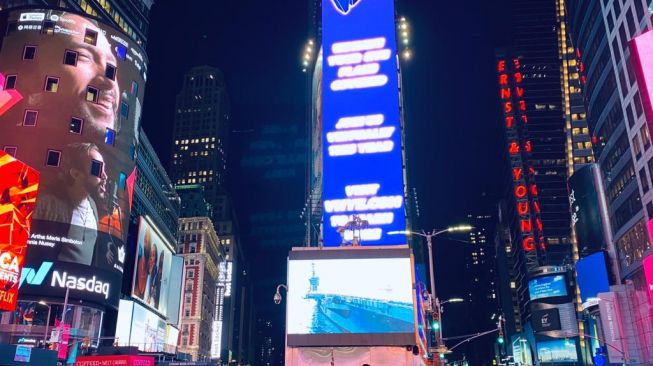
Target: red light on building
[
  {"x": 507, "y": 107},
  {"x": 505, "y": 93},
  {"x": 514, "y": 148},
  {"x": 518, "y": 77},
  {"x": 503, "y": 79},
  {"x": 501, "y": 66},
  {"x": 528, "y": 243},
  {"x": 19, "y": 185},
  {"x": 520, "y": 191},
  {"x": 510, "y": 120}
]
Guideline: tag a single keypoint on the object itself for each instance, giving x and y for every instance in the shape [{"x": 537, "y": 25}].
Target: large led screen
[
  {"x": 647, "y": 264},
  {"x": 562, "y": 350},
  {"x": 362, "y": 298},
  {"x": 157, "y": 276},
  {"x": 547, "y": 286},
  {"x": 586, "y": 210},
  {"x": 82, "y": 85},
  {"x": 592, "y": 277},
  {"x": 642, "y": 47},
  {"x": 362, "y": 158},
  {"x": 19, "y": 185},
  {"x": 142, "y": 328}
]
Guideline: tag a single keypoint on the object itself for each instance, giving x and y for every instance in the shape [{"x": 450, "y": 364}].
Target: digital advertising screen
[
  {"x": 586, "y": 210},
  {"x": 359, "y": 298},
  {"x": 561, "y": 350},
  {"x": 157, "y": 274},
  {"x": 362, "y": 157},
  {"x": 142, "y": 328},
  {"x": 19, "y": 186},
  {"x": 642, "y": 47},
  {"x": 592, "y": 277},
  {"x": 547, "y": 286},
  {"x": 647, "y": 264},
  {"x": 82, "y": 85}
]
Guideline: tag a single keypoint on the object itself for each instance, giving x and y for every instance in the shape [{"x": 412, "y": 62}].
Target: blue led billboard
[
  {"x": 592, "y": 276},
  {"x": 547, "y": 286},
  {"x": 363, "y": 173}
]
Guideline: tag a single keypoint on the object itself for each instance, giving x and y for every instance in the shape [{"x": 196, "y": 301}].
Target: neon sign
[
  {"x": 519, "y": 149},
  {"x": 363, "y": 164}
]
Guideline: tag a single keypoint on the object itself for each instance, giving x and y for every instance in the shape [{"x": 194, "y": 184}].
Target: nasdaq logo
[
  {"x": 33, "y": 277},
  {"x": 345, "y": 6}
]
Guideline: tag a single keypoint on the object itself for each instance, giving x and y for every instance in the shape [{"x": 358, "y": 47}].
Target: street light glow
[{"x": 455, "y": 299}]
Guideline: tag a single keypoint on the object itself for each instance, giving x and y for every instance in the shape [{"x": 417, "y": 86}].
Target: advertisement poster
[
  {"x": 361, "y": 139},
  {"x": 153, "y": 280},
  {"x": 547, "y": 286},
  {"x": 82, "y": 84},
  {"x": 19, "y": 185}
]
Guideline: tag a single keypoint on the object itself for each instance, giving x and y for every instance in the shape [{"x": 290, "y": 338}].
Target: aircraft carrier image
[{"x": 352, "y": 314}]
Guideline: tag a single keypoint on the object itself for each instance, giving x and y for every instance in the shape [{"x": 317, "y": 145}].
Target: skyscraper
[{"x": 201, "y": 133}]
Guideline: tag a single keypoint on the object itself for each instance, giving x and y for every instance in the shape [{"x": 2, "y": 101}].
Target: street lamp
[
  {"x": 429, "y": 236},
  {"x": 47, "y": 322},
  {"x": 277, "y": 295}
]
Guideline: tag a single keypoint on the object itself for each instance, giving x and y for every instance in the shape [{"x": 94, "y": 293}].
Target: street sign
[{"x": 23, "y": 354}]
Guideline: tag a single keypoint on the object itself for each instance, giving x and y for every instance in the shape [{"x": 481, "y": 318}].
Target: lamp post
[
  {"x": 429, "y": 242},
  {"x": 47, "y": 322}
]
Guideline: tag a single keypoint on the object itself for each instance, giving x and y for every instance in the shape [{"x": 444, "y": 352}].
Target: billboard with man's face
[{"x": 82, "y": 86}]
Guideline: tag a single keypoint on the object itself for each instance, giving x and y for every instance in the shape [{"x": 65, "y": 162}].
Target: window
[
  {"x": 190, "y": 274},
  {"x": 122, "y": 181},
  {"x": 646, "y": 137},
  {"x": 10, "y": 82},
  {"x": 51, "y": 84},
  {"x": 110, "y": 72},
  {"x": 110, "y": 137},
  {"x": 638, "y": 104},
  {"x": 124, "y": 110},
  {"x": 90, "y": 37},
  {"x": 53, "y": 158},
  {"x": 92, "y": 94},
  {"x": 186, "y": 313},
  {"x": 76, "y": 125},
  {"x": 10, "y": 150},
  {"x": 70, "y": 58},
  {"x": 30, "y": 118},
  {"x": 48, "y": 27},
  {"x": 636, "y": 149},
  {"x": 649, "y": 209},
  {"x": 29, "y": 52},
  {"x": 97, "y": 168},
  {"x": 134, "y": 88},
  {"x": 643, "y": 179}
]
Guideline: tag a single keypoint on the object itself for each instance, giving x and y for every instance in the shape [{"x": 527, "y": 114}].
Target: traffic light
[
  {"x": 500, "y": 339},
  {"x": 435, "y": 325}
]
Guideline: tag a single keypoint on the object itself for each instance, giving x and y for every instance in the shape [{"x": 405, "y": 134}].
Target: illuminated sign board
[
  {"x": 647, "y": 263},
  {"x": 586, "y": 209},
  {"x": 562, "y": 350},
  {"x": 76, "y": 122},
  {"x": 19, "y": 185},
  {"x": 547, "y": 286},
  {"x": 642, "y": 48},
  {"x": 362, "y": 158},
  {"x": 348, "y": 297},
  {"x": 592, "y": 278},
  {"x": 519, "y": 147}
]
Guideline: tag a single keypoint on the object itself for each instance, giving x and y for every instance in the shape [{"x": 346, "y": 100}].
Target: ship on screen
[{"x": 337, "y": 313}]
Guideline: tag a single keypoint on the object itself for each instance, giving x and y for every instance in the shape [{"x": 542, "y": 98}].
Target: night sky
[{"x": 452, "y": 116}]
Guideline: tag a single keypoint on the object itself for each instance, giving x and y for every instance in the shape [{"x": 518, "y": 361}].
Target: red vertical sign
[
  {"x": 19, "y": 185},
  {"x": 647, "y": 263}
]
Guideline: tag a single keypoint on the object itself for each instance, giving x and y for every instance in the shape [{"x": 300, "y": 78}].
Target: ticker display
[
  {"x": 362, "y": 158},
  {"x": 19, "y": 185},
  {"x": 82, "y": 85}
]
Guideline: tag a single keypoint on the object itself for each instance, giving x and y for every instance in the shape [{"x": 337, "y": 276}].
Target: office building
[
  {"x": 201, "y": 133},
  {"x": 198, "y": 244}
]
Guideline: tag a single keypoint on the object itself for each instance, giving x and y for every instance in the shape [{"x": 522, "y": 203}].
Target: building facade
[
  {"x": 200, "y": 247},
  {"x": 201, "y": 133}
]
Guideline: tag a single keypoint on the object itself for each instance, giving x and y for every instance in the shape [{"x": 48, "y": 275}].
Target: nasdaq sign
[{"x": 363, "y": 172}]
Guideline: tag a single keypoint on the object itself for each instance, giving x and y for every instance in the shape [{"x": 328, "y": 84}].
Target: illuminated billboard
[
  {"x": 19, "y": 185},
  {"x": 157, "y": 273},
  {"x": 362, "y": 158},
  {"x": 584, "y": 187},
  {"x": 142, "y": 328},
  {"x": 647, "y": 264},
  {"x": 82, "y": 85},
  {"x": 350, "y": 298},
  {"x": 592, "y": 278},
  {"x": 547, "y": 286},
  {"x": 562, "y": 350}
]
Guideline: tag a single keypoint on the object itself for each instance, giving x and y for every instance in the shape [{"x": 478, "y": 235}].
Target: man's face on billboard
[
  {"x": 96, "y": 184},
  {"x": 91, "y": 71}
]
